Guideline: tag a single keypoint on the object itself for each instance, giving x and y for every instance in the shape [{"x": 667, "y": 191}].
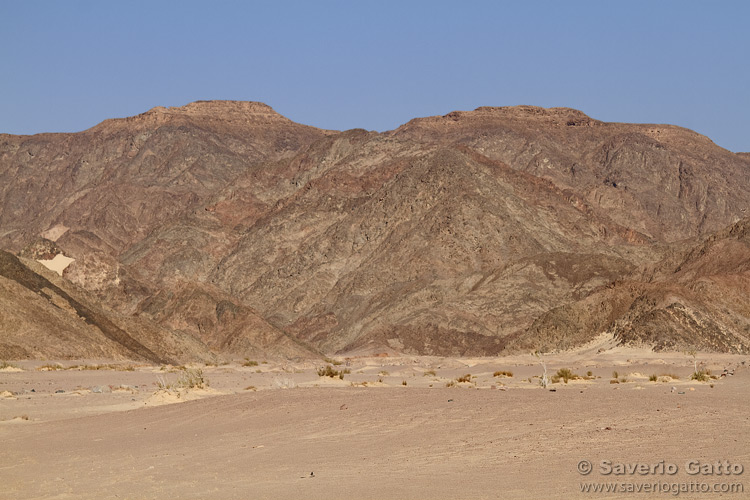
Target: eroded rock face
[{"x": 466, "y": 234}]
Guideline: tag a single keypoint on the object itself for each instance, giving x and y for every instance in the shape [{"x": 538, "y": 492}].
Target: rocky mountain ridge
[{"x": 472, "y": 233}]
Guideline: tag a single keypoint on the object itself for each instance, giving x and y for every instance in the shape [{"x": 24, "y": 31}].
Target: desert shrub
[
  {"x": 329, "y": 371},
  {"x": 614, "y": 381},
  {"x": 564, "y": 374},
  {"x": 652, "y": 378},
  {"x": 623, "y": 380},
  {"x": 701, "y": 376},
  {"x": 50, "y": 367},
  {"x": 334, "y": 362},
  {"x": 615, "y": 374},
  {"x": 403, "y": 383},
  {"x": 5, "y": 364},
  {"x": 589, "y": 373},
  {"x": 191, "y": 378},
  {"x": 249, "y": 362},
  {"x": 502, "y": 373},
  {"x": 450, "y": 383},
  {"x": 465, "y": 378}
]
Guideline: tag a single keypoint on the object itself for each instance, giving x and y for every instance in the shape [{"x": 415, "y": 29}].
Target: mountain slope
[{"x": 466, "y": 234}]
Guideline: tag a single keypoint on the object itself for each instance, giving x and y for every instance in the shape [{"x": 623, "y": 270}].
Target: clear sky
[{"x": 67, "y": 65}]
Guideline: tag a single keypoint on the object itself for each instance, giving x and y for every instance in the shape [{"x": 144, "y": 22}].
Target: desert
[
  {"x": 215, "y": 302},
  {"x": 392, "y": 427},
  {"x": 374, "y": 250}
]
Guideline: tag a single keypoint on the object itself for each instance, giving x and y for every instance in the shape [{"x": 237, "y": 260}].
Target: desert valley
[{"x": 213, "y": 301}]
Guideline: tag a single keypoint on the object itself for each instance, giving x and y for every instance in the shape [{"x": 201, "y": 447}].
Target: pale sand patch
[
  {"x": 165, "y": 397},
  {"x": 11, "y": 369},
  {"x": 58, "y": 264}
]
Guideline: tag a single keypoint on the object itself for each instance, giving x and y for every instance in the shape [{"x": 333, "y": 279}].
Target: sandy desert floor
[{"x": 390, "y": 429}]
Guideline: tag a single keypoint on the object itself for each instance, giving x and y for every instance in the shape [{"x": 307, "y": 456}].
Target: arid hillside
[{"x": 473, "y": 233}]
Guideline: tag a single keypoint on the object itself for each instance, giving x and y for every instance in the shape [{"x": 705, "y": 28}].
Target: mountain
[{"x": 471, "y": 233}]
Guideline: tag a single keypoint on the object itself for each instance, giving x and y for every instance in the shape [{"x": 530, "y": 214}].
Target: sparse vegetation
[
  {"x": 190, "y": 378},
  {"x": 589, "y": 373},
  {"x": 329, "y": 371},
  {"x": 450, "y": 383},
  {"x": 50, "y": 367},
  {"x": 251, "y": 388},
  {"x": 615, "y": 374},
  {"x": 333, "y": 362},
  {"x": 652, "y": 378},
  {"x": 5, "y": 364},
  {"x": 465, "y": 378},
  {"x": 623, "y": 380},
  {"x": 701, "y": 375},
  {"x": 57, "y": 366},
  {"x": 614, "y": 381},
  {"x": 564, "y": 374},
  {"x": 429, "y": 373},
  {"x": 502, "y": 373},
  {"x": 250, "y": 362},
  {"x": 403, "y": 382}
]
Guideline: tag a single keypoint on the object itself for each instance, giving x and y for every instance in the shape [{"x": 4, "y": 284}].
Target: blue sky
[{"x": 66, "y": 66}]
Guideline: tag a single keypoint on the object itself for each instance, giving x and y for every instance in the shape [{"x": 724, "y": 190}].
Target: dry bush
[
  {"x": 701, "y": 375},
  {"x": 190, "y": 378},
  {"x": 502, "y": 373},
  {"x": 465, "y": 378},
  {"x": 564, "y": 374},
  {"x": 329, "y": 371},
  {"x": 249, "y": 362}
]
